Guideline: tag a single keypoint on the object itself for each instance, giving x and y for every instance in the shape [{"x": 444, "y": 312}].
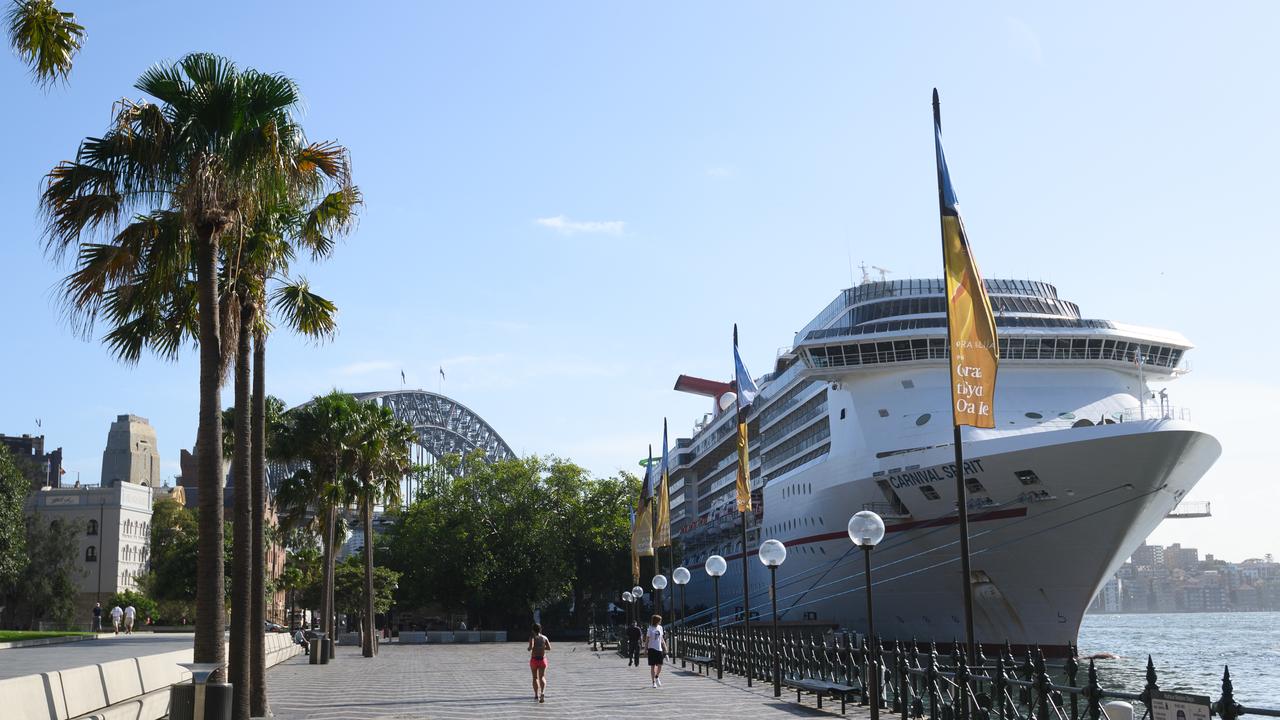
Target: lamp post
[
  {"x": 680, "y": 576},
  {"x": 715, "y": 567},
  {"x": 659, "y": 582},
  {"x": 626, "y": 598},
  {"x": 773, "y": 553},
  {"x": 866, "y": 530},
  {"x": 637, "y": 592}
]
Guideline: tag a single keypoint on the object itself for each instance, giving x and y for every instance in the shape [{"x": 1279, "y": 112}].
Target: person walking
[
  {"x": 97, "y": 617},
  {"x": 634, "y": 633},
  {"x": 656, "y": 644},
  {"x": 116, "y": 615},
  {"x": 130, "y": 614},
  {"x": 538, "y": 647}
]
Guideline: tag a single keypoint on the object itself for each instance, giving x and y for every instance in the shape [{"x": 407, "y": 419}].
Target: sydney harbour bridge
[{"x": 444, "y": 425}]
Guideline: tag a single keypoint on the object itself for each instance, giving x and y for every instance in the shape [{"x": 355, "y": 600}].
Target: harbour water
[{"x": 1190, "y": 650}]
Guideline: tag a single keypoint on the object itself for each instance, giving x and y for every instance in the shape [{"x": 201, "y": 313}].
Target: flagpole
[
  {"x": 746, "y": 596},
  {"x": 962, "y": 502}
]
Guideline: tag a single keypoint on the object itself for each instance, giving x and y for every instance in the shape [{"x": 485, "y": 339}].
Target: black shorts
[{"x": 655, "y": 657}]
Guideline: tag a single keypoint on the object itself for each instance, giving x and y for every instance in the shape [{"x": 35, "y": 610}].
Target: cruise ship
[{"x": 1084, "y": 462}]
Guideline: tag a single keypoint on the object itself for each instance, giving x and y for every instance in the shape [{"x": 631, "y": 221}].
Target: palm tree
[
  {"x": 321, "y": 435},
  {"x": 381, "y": 460},
  {"x": 45, "y": 38},
  {"x": 201, "y": 160}
]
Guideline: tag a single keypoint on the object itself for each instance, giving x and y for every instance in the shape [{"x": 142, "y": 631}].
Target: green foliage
[
  {"x": 503, "y": 538},
  {"x": 145, "y": 606},
  {"x": 45, "y": 38},
  {"x": 49, "y": 583},
  {"x": 172, "y": 580},
  {"x": 13, "y": 542},
  {"x": 349, "y": 587}
]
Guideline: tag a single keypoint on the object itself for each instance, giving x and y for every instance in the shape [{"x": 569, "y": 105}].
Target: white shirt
[
  {"x": 129, "y": 612},
  {"x": 653, "y": 637},
  {"x": 116, "y": 612}
]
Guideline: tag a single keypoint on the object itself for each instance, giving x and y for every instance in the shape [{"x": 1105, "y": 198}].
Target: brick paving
[{"x": 492, "y": 681}]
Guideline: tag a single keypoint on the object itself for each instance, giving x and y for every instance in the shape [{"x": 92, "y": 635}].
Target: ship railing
[
  {"x": 1155, "y": 411},
  {"x": 916, "y": 681}
]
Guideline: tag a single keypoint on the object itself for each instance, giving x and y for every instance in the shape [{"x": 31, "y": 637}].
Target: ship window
[
  {"x": 842, "y": 410},
  {"x": 1067, "y": 416},
  {"x": 884, "y": 413},
  {"x": 1034, "y": 415},
  {"x": 929, "y": 492},
  {"x": 973, "y": 485},
  {"x": 1027, "y": 477},
  {"x": 923, "y": 419},
  {"x": 908, "y": 384}
]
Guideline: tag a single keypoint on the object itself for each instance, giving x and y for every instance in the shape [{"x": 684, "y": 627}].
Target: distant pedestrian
[
  {"x": 634, "y": 633},
  {"x": 539, "y": 645},
  {"x": 130, "y": 613},
  {"x": 656, "y": 643},
  {"x": 300, "y": 638},
  {"x": 116, "y": 615},
  {"x": 97, "y": 617}
]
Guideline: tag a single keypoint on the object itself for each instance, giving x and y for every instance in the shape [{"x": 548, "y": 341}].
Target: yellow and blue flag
[
  {"x": 746, "y": 391},
  {"x": 642, "y": 526},
  {"x": 971, "y": 326}
]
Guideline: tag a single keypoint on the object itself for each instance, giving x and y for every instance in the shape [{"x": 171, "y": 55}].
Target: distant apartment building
[
  {"x": 43, "y": 469},
  {"x": 1175, "y": 579}
]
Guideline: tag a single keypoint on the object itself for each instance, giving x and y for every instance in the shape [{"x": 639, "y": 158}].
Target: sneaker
[
  {"x": 542, "y": 698},
  {"x": 659, "y": 681}
]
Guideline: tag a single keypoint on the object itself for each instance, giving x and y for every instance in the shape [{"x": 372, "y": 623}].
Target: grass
[{"x": 12, "y": 635}]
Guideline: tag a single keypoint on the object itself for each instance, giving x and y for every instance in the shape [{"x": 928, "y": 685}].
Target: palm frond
[
  {"x": 304, "y": 311},
  {"x": 334, "y": 214},
  {"x": 46, "y": 38}
]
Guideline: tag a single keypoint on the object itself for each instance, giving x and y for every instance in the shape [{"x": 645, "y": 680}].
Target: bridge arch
[{"x": 443, "y": 425}]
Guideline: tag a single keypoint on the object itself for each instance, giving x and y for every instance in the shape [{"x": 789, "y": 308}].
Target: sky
[{"x": 570, "y": 204}]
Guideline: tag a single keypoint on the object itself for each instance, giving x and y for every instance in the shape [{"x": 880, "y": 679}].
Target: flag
[
  {"x": 663, "y": 533},
  {"x": 971, "y": 327},
  {"x": 635, "y": 556},
  {"x": 401, "y": 377},
  {"x": 442, "y": 372},
  {"x": 746, "y": 391},
  {"x": 642, "y": 528}
]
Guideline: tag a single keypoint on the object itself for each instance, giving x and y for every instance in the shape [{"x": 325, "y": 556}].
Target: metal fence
[{"x": 921, "y": 681}]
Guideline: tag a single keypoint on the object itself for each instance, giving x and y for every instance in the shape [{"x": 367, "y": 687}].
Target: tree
[
  {"x": 380, "y": 460},
  {"x": 13, "y": 542},
  {"x": 181, "y": 172},
  {"x": 350, "y": 590},
  {"x": 48, "y": 586},
  {"x": 144, "y": 606},
  {"x": 45, "y": 38}
]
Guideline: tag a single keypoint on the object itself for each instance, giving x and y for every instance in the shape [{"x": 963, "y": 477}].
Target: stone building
[
  {"x": 115, "y": 534},
  {"x": 43, "y": 469},
  {"x": 131, "y": 455}
]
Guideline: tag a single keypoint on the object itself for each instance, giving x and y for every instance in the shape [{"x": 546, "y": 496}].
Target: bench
[
  {"x": 822, "y": 688},
  {"x": 705, "y": 661}
]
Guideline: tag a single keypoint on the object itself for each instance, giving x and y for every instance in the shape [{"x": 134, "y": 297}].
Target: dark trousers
[{"x": 634, "y": 652}]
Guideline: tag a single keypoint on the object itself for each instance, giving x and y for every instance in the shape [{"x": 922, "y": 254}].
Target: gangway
[{"x": 1191, "y": 509}]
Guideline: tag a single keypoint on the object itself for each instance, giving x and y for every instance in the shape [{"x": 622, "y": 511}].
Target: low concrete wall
[
  {"x": 439, "y": 637},
  {"x": 133, "y": 688}
]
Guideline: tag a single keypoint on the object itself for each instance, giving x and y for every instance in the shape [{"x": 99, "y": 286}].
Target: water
[{"x": 1189, "y": 650}]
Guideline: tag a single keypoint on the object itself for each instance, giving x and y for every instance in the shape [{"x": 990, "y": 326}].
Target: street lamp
[
  {"x": 659, "y": 582},
  {"x": 637, "y": 592},
  {"x": 866, "y": 530},
  {"x": 680, "y": 576},
  {"x": 773, "y": 553},
  {"x": 627, "y": 598},
  {"x": 715, "y": 567}
]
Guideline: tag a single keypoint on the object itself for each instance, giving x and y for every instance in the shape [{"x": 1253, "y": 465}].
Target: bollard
[{"x": 1117, "y": 710}]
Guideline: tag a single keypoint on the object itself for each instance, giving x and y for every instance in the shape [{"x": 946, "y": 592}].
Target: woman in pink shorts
[{"x": 538, "y": 647}]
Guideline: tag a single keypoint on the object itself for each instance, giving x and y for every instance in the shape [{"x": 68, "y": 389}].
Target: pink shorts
[{"x": 538, "y": 663}]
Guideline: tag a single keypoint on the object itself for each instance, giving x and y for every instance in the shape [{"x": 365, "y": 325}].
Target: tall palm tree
[
  {"x": 206, "y": 153},
  {"x": 322, "y": 434},
  {"x": 381, "y": 460},
  {"x": 46, "y": 38}
]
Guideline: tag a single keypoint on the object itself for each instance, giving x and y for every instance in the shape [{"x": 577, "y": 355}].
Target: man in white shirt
[
  {"x": 129, "y": 614},
  {"x": 655, "y": 642},
  {"x": 116, "y": 615}
]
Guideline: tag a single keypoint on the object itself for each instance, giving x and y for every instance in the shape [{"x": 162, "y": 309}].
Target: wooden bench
[{"x": 822, "y": 688}]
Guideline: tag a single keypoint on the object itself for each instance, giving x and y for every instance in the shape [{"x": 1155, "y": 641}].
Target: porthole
[
  {"x": 883, "y": 412},
  {"x": 1067, "y": 416},
  {"x": 1034, "y": 415},
  {"x": 923, "y": 419}
]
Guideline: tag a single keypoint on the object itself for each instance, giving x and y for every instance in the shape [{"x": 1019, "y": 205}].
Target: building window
[
  {"x": 93, "y": 527},
  {"x": 91, "y": 554}
]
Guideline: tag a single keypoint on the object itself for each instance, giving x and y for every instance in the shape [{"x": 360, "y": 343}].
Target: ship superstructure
[{"x": 1083, "y": 463}]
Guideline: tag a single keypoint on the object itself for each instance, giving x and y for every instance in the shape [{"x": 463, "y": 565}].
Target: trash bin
[
  {"x": 313, "y": 651},
  {"x": 200, "y": 699},
  {"x": 326, "y": 648}
]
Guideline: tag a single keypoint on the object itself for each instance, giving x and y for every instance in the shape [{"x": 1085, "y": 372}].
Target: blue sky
[{"x": 568, "y": 204}]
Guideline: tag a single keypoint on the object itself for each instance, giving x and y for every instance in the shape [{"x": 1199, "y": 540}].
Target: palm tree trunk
[
  {"x": 330, "y": 554},
  {"x": 210, "y": 602},
  {"x": 367, "y": 642},
  {"x": 258, "y": 590},
  {"x": 241, "y": 630}
]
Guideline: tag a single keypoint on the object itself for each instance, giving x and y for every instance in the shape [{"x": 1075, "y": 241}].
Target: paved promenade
[
  {"x": 492, "y": 681},
  {"x": 15, "y": 662}
]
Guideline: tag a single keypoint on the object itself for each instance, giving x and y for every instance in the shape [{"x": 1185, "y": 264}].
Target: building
[
  {"x": 131, "y": 455},
  {"x": 41, "y": 468},
  {"x": 115, "y": 534},
  {"x": 1148, "y": 556}
]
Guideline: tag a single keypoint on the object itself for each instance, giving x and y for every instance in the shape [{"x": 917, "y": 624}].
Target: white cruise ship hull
[{"x": 1037, "y": 561}]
